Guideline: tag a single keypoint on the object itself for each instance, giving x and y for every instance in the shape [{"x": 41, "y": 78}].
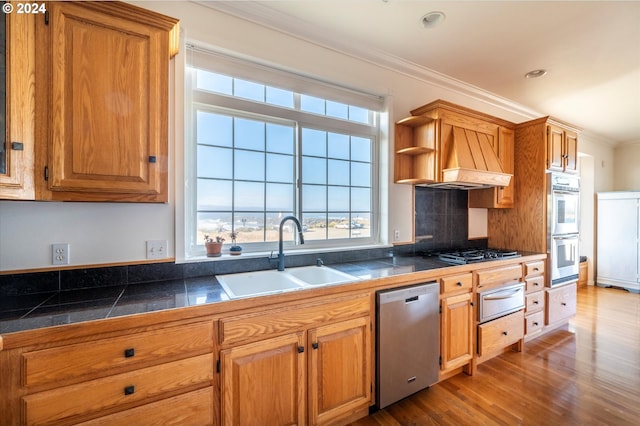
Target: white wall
[
  {"x": 627, "y": 167},
  {"x": 107, "y": 233}
]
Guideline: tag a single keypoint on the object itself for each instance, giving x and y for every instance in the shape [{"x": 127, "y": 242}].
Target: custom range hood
[{"x": 468, "y": 160}]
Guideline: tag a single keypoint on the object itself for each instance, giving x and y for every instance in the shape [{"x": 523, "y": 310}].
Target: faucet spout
[{"x": 280, "y": 248}]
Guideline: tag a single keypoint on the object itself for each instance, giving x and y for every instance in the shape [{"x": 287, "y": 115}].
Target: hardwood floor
[{"x": 588, "y": 374}]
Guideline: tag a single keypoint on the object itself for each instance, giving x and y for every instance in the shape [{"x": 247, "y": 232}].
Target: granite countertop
[{"x": 28, "y": 312}]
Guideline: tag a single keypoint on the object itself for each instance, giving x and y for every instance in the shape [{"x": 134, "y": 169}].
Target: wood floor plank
[{"x": 585, "y": 374}]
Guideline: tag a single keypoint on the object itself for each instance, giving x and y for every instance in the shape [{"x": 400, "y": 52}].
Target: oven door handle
[
  {"x": 501, "y": 295},
  {"x": 572, "y": 237}
]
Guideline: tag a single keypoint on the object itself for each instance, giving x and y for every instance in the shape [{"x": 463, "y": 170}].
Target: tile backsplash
[{"x": 441, "y": 219}]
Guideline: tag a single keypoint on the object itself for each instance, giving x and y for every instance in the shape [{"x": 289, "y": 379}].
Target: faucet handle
[{"x": 319, "y": 262}]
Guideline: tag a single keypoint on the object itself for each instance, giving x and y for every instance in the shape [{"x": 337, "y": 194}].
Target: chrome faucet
[{"x": 280, "y": 250}]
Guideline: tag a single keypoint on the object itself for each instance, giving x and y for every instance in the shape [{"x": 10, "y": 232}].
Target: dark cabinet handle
[
  {"x": 459, "y": 284},
  {"x": 129, "y": 352},
  {"x": 563, "y": 304},
  {"x": 536, "y": 269},
  {"x": 152, "y": 158},
  {"x": 535, "y": 323},
  {"x": 315, "y": 345},
  {"x": 535, "y": 302},
  {"x": 129, "y": 390},
  {"x": 300, "y": 349},
  {"x": 505, "y": 333}
]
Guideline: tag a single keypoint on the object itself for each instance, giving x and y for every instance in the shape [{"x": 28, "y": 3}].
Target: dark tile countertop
[{"x": 33, "y": 311}]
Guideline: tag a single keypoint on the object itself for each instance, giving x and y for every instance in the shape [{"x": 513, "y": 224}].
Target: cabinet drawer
[
  {"x": 561, "y": 303},
  {"x": 102, "y": 357},
  {"x": 534, "y": 284},
  {"x": 534, "y": 322},
  {"x": 500, "y": 333},
  {"x": 534, "y": 268},
  {"x": 496, "y": 276},
  {"x": 534, "y": 302},
  {"x": 108, "y": 392},
  {"x": 193, "y": 409},
  {"x": 456, "y": 283},
  {"x": 279, "y": 321}
]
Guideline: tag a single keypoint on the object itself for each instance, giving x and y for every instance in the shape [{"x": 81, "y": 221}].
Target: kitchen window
[{"x": 265, "y": 143}]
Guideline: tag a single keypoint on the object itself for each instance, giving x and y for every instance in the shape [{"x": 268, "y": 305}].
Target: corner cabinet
[
  {"x": 317, "y": 372},
  {"x": 17, "y": 141}
]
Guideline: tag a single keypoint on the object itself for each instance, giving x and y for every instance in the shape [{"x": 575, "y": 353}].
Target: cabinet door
[
  {"x": 555, "y": 150},
  {"x": 457, "y": 325},
  {"x": 561, "y": 303},
  {"x": 571, "y": 152},
  {"x": 339, "y": 370},
  {"x": 17, "y": 140},
  {"x": 505, "y": 195},
  {"x": 263, "y": 383},
  {"x": 108, "y": 103}
]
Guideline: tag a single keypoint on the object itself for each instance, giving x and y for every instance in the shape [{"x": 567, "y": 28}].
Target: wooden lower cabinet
[
  {"x": 457, "y": 330},
  {"x": 561, "y": 303},
  {"x": 298, "y": 365},
  {"x": 494, "y": 336},
  {"x": 339, "y": 370},
  {"x": 262, "y": 383}
]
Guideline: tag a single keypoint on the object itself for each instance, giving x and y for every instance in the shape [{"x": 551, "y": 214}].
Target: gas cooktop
[{"x": 464, "y": 256}]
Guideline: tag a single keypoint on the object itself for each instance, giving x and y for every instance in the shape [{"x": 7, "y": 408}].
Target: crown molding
[{"x": 261, "y": 14}]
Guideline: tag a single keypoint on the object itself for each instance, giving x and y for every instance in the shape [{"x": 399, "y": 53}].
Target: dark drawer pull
[
  {"x": 129, "y": 352},
  {"x": 459, "y": 283},
  {"x": 505, "y": 333},
  {"x": 535, "y": 323},
  {"x": 315, "y": 345},
  {"x": 535, "y": 302},
  {"x": 563, "y": 304},
  {"x": 300, "y": 349},
  {"x": 129, "y": 390}
]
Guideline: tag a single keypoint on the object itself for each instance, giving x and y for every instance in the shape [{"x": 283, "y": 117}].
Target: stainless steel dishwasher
[{"x": 407, "y": 343}]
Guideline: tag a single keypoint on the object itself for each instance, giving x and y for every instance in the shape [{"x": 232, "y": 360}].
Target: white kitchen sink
[{"x": 271, "y": 281}]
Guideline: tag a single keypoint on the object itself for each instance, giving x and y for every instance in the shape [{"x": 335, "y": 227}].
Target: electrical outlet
[
  {"x": 396, "y": 235},
  {"x": 157, "y": 249},
  {"x": 60, "y": 253}
]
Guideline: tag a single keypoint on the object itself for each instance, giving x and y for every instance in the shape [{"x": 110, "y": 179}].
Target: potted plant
[
  {"x": 235, "y": 249},
  {"x": 213, "y": 246}
]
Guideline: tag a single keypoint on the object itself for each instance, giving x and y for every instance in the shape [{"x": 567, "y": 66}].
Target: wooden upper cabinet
[
  {"x": 108, "y": 68},
  {"x": 17, "y": 145},
  {"x": 562, "y": 149}
]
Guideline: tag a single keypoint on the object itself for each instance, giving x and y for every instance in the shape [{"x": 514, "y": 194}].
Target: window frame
[{"x": 211, "y": 101}]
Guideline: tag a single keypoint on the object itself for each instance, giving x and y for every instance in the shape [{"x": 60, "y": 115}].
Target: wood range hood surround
[
  {"x": 469, "y": 161},
  {"x": 448, "y": 146}
]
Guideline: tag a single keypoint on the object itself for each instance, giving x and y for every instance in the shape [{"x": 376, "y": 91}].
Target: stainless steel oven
[
  {"x": 500, "y": 301},
  {"x": 564, "y": 203},
  {"x": 564, "y": 259}
]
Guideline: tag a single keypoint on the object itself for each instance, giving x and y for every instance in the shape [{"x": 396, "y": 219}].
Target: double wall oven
[{"x": 563, "y": 192}]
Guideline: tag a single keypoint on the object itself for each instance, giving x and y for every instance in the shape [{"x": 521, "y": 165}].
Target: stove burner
[{"x": 462, "y": 257}]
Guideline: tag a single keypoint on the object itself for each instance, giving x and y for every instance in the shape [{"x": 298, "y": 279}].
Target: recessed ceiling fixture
[
  {"x": 535, "y": 73},
  {"x": 432, "y": 19}
]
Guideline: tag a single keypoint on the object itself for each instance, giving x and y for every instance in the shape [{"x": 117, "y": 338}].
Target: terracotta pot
[{"x": 213, "y": 249}]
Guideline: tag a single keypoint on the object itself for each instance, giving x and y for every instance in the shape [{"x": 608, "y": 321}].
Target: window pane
[
  {"x": 283, "y": 98},
  {"x": 358, "y": 114},
  {"x": 314, "y": 198},
  {"x": 314, "y": 142},
  {"x": 249, "y": 134},
  {"x": 338, "y": 198},
  {"x": 214, "y": 129},
  {"x": 338, "y": 173},
  {"x": 218, "y": 223},
  {"x": 249, "y": 165},
  {"x": 361, "y": 149},
  {"x": 314, "y": 170},
  {"x": 311, "y": 104},
  {"x": 214, "y": 162},
  {"x": 280, "y": 138},
  {"x": 273, "y": 225},
  {"x": 279, "y": 197},
  {"x": 280, "y": 168},
  {"x": 338, "y": 110},
  {"x": 338, "y": 146},
  {"x": 248, "y": 196},
  {"x": 362, "y": 226},
  {"x": 214, "y": 195},
  {"x": 213, "y": 82},
  {"x": 361, "y": 174},
  {"x": 360, "y": 199},
  {"x": 248, "y": 90},
  {"x": 314, "y": 226}
]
